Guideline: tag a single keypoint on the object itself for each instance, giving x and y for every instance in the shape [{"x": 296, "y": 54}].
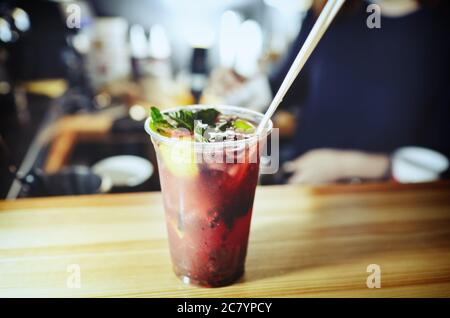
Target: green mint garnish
[
  {"x": 207, "y": 116},
  {"x": 204, "y": 125},
  {"x": 183, "y": 118},
  {"x": 158, "y": 123},
  {"x": 224, "y": 125}
]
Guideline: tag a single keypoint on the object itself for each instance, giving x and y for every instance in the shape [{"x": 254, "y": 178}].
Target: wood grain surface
[{"x": 304, "y": 242}]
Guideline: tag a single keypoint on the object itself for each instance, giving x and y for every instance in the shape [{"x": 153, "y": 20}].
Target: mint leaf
[
  {"x": 183, "y": 118},
  {"x": 155, "y": 114},
  {"x": 222, "y": 126},
  {"x": 158, "y": 123},
  {"x": 207, "y": 116}
]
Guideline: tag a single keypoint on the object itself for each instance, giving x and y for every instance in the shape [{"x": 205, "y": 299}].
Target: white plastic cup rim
[{"x": 160, "y": 138}]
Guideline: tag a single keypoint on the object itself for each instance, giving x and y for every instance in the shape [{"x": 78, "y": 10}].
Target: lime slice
[
  {"x": 243, "y": 126},
  {"x": 179, "y": 158}
]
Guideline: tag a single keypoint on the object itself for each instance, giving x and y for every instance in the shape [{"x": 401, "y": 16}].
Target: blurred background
[{"x": 77, "y": 79}]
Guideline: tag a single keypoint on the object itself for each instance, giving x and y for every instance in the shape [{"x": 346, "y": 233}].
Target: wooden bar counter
[{"x": 304, "y": 242}]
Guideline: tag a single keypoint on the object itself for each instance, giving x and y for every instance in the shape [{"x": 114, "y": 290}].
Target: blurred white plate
[
  {"x": 416, "y": 164},
  {"x": 125, "y": 170}
]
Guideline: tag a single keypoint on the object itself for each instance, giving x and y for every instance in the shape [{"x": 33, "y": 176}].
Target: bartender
[{"x": 366, "y": 92}]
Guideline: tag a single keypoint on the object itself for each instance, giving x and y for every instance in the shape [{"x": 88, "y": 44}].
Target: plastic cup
[{"x": 208, "y": 191}]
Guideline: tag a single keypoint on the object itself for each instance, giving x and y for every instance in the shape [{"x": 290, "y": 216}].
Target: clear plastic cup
[{"x": 208, "y": 191}]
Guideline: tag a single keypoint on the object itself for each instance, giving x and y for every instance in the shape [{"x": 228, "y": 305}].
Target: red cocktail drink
[{"x": 208, "y": 190}]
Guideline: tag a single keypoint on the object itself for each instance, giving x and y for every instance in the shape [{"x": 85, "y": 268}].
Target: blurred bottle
[
  {"x": 160, "y": 52},
  {"x": 108, "y": 59},
  {"x": 151, "y": 64},
  {"x": 150, "y": 55},
  {"x": 199, "y": 71},
  {"x": 140, "y": 57}
]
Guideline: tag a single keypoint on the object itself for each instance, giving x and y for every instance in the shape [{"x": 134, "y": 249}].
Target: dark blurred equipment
[
  {"x": 69, "y": 181},
  {"x": 75, "y": 100},
  {"x": 48, "y": 51},
  {"x": 123, "y": 141},
  {"x": 53, "y": 47},
  {"x": 5, "y": 167},
  {"x": 37, "y": 44},
  {"x": 14, "y": 26}
]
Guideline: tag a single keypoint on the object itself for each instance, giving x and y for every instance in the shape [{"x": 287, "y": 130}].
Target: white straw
[{"x": 323, "y": 22}]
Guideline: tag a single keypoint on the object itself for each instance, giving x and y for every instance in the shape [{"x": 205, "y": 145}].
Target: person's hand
[
  {"x": 330, "y": 165},
  {"x": 316, "y": 166}
]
